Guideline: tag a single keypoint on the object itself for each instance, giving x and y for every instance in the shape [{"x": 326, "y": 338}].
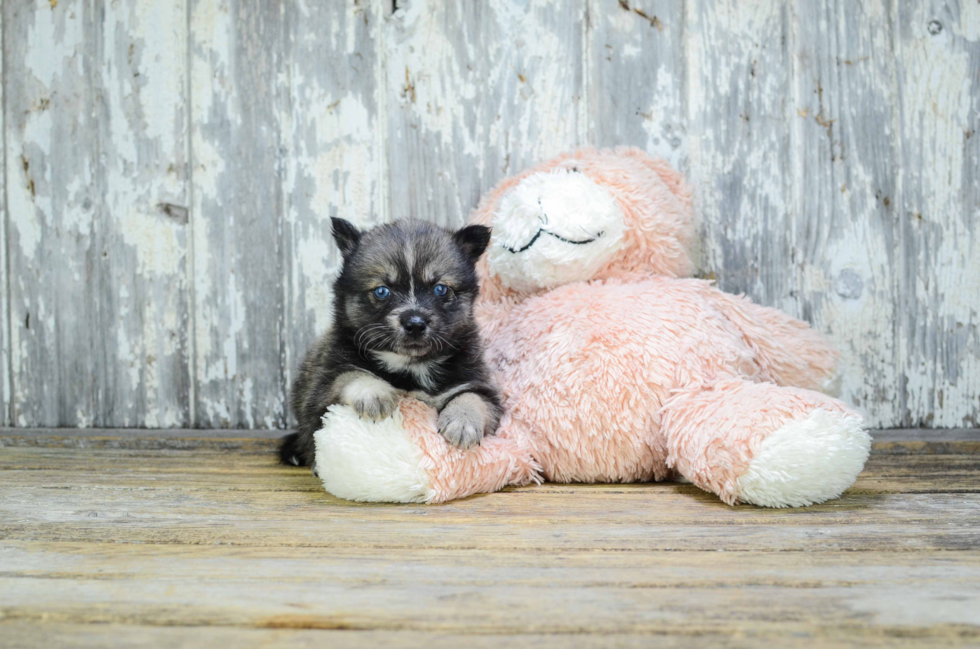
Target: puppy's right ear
[{"x": 346, "y": 235}]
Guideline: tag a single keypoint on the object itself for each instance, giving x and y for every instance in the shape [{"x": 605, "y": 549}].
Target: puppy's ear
[
  {"x": 346, "y": 235},
  {"x": 472, "y": 240}
]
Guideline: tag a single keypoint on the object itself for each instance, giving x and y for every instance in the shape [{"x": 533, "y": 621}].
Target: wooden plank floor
[{"x": 201, "y": 539}]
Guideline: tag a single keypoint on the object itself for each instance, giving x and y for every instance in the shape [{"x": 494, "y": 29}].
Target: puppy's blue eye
[
  {"x": 440, "y": 290},
  {"x": 381, "y": 292}
]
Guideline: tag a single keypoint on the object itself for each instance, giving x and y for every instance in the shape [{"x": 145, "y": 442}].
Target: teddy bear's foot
[
  {"x": 765, "y": 444},
  {"x": 806, "y": 461}
]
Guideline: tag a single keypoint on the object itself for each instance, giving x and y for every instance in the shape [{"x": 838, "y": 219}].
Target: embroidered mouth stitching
[{"x": 557, "y": 236}]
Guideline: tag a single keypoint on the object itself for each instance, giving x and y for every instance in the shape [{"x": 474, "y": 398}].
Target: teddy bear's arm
[
  {"x": 404, "y": 459},
  {"x": 789, "y": 351}
]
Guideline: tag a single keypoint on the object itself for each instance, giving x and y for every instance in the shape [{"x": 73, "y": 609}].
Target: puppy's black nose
[{"x": 413, "y": 324}]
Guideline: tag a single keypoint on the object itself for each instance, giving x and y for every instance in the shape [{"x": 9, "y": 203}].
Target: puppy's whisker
[
  {"x": 444, "y": 342},
  {"x": 381, "y": 338},
  {"x": 448, "y": 343},
  {"x": 367, "y": 344},
  {"x": 375, "y": 339},
  {"x": 368, "y": 328},
  {"x": 366, "y": 334}
]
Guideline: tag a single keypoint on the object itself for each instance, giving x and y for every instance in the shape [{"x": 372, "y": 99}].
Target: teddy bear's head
[{"x": 591, "y": 214}]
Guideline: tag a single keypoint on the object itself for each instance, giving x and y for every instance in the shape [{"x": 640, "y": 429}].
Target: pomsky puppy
[{"x": 403, "y": 324}]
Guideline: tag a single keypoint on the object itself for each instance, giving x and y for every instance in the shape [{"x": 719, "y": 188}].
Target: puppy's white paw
[
  {"x": 463, "y": 420},
  {"x": 370, "y": 397},
  {"x": 376, "y": 408}
]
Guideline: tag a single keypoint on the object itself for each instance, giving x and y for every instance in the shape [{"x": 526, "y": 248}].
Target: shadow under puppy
[{"x": 403, "y": 324}]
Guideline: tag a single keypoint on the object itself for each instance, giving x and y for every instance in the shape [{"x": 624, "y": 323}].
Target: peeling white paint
[
  {"x": 334, "y": 161},
  {"x": 238, "y": 212},
  {"x": 794, "y": 121},
  {"x": 938, "y": 345},
  {"x": 968, "y": 25},
  {"x": 317, "y": 277},
  {"x": 738, "y": 81},
  {"x": 5, "y": 345},
  {"x": 469, "y": 106}
]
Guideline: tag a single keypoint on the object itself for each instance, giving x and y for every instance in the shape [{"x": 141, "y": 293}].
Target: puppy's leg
[
  {"x": 369, "y": 396},
  {"x": 467, "y": 418}
]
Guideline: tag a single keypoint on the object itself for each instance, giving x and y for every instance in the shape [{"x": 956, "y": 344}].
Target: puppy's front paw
[
  {"x": 370, "y": 397},
  {"x": 463, "y": 420},
  {"x": 376, "y": 407}
]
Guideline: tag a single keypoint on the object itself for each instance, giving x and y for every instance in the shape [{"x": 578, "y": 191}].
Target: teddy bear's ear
[
  {"x": 472, "y": 240},
  {"x": 346, "y": 235}
]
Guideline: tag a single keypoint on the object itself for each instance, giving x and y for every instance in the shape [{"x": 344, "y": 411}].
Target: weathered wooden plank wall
[
  {"x": 938, "y": 70},
  {"x": 170, "y": 168},
  {"x": 334, "y": 152},
  {"x": 844, "y": 159},
  {"x": 4, "y": 302},
  {"x": 236, "y": 53},
  {"x": 95, "y": 129}
]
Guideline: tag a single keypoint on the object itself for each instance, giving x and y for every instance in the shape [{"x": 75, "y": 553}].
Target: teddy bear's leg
[
  {"x": 404, "y": 459},
  {"x": 764, "y": 444},
  {"x": 788, "y": 351}
]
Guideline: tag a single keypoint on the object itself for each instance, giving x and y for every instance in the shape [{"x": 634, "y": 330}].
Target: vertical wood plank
[
  {"x": 95, "y": 116},
  {"x": 236, "y": 213},
  {"x": 939, "y": 87},
  {"x": 334, "y": 151},
  {"x": 141, "y": 84},
  {"x": 54, "y": 195},
  {"x": 477, "y": 91},
  {"x": 640, "y": 77},
  {"x": 739, "y": 89},
  {"x": 845, "y": 246},
  {"x": 4, "y": 303}
]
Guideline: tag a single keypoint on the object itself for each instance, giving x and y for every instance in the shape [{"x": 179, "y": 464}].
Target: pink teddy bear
[{"x": 613, "y": 366}]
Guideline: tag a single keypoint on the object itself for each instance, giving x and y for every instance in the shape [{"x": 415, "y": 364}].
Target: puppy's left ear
[{"x": 472, "y": 240}]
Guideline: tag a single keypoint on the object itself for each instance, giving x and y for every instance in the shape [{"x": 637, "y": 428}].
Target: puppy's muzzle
[{"x": 414, "y": 324}]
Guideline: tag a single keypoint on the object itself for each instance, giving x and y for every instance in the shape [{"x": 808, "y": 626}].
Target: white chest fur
[{"x": 425, "y": 372}]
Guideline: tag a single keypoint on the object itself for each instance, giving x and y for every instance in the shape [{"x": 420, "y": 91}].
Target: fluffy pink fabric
[
  {"x": 655, "y": 201},
  {"x": 713, "y": 434},
  {"x": 454, "y": 473},
  {"x": 636, "y": 373}
]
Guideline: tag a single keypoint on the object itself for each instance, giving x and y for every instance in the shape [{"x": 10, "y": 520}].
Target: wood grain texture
[
  {"x": 938, "y": 69},
  {"x": 140, "y": 544},
  {"x": 333, "y": 143},
  {"x": 476, "y": 92},
  {"x": 95, "y": 132},
  {"x": 468, "y": 592},
  {"x": 143, "y": 147},
  {"x": 55, "y": 635},
  {"x": 892, "y": 470},
  {"x": 5, "y": 400},
  {"x": 640, "y": 77},
  {"x": 237, "y": 213},
  {"x": 846, "y": 257},
  {"x": 169, "y": 171},
  {"x": 53, "y": 202},
  {"x": 739, "y": 80}
]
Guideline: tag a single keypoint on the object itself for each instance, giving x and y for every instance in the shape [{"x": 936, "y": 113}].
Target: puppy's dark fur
[{"x": 411, "y": 341}]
